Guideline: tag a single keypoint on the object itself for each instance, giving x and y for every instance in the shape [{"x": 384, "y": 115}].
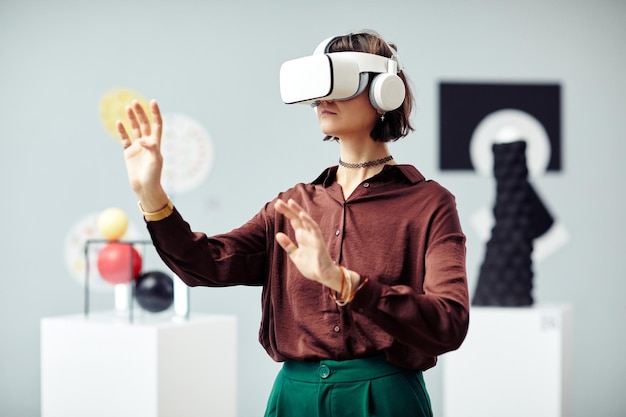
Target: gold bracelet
[
  {"x": 342, "y": 301},
  {"x": 159, "y": 214},
  {"x": 351, "y": 293}
]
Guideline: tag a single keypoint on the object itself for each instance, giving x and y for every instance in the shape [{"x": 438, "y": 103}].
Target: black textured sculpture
[{"x": 506, "y": 275}]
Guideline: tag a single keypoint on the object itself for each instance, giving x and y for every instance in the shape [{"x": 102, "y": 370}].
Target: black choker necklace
[{"x": 366, "y": 164}]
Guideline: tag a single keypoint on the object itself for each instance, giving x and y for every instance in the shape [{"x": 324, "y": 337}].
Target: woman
[{"x": 363, "y": 270}]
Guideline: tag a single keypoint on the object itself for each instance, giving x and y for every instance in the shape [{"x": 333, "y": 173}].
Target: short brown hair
[{"x": 397, "y": 122}]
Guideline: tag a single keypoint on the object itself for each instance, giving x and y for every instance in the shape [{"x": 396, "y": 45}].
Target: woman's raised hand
[
  {"x": 142, "y": 153},
  {"x": 309, "y": 252}
]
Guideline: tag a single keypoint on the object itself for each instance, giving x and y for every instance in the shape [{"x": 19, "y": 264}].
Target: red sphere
[{"x": 119, "y": 263}]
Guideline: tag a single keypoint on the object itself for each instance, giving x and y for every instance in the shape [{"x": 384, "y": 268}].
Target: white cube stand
[
  {"x": 515, "y": 361},
  {"x": 104, "y": 366}
]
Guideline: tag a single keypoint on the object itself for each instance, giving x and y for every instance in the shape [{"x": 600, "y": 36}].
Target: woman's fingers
[
  {"x": 134, "y": 124},
  {"x": 299, "y": 218},
  {"x": 288, "y": 211},
  {"x": 292, "y": 213},
  {"x": 140, "y": 123},
  {"x": 306, "y": 230},
  {"x": 286, "y": 243},
  {"x": 307, "y": 251},
  {"x": 307, "y": 222},
  {"x": 157, "y": 122},
  {"x": 284, "y": 209},
  {"x": 123, "y": 134},
  {"x": 144, "y": 123},
  {"x": 294, "y": 206},
  {"x": 305, "y": 219}
]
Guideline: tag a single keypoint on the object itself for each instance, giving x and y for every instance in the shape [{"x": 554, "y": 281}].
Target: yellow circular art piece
[{"x": 113, "y": 108}]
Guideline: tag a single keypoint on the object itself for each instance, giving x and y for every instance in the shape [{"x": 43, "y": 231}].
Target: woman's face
[{"x": 354, "y": 118}]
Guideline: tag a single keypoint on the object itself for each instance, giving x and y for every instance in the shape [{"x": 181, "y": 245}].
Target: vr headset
[{"x": 341, "y": 76}]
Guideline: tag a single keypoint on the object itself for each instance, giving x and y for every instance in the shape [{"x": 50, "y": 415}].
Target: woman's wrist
[
  {"x": 155, "y": 205},
  {"x": 160, "y": 214},
  {"x": 340, "y": 278},
  {"x": 152, "y": 201},
  {"x": 337, "y": 282}
]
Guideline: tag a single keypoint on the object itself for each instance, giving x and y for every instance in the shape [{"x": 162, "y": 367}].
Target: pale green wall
[{"x": 218, "y": 62}]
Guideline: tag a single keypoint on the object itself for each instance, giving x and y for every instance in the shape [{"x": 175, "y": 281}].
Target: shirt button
[
  {"x": 336, "y": 329},
  {"x": 366, "y": 185},
  {"x": 324, "y": 371},
  {"x": 337, "y": 232},
  {"x": 361, "y": 310}
]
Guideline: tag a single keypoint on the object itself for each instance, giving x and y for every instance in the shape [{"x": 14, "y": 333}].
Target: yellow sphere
[{"x": 112, "y": 223}]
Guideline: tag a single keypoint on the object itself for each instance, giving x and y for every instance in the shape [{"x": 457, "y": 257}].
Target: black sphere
[{"x": 154, "y": 291}]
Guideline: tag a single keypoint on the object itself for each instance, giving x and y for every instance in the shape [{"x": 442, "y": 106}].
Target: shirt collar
[{"x": 407, "y": 172}]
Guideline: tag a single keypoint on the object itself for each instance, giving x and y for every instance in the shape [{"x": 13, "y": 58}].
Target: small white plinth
[
  {"x": 515, "y": 361},
  {"x": 104, "y": 366}
]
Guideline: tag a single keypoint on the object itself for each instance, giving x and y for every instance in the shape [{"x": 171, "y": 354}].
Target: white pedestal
[
  {"x": 514, "y": 362},
  {"x": 104, "y": 366}
]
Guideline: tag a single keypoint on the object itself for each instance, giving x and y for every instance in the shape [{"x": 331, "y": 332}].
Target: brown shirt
[{"x": 397, "y": 229}]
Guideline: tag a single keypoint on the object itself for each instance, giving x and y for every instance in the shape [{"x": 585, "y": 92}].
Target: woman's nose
[{"x": 325, "y": 102}]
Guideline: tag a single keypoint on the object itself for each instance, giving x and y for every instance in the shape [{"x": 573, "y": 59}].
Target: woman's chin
[{"x": 328, "y": 130}]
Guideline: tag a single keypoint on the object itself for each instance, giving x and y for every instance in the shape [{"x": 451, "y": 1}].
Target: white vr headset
[{"x": 342, "y": 76}]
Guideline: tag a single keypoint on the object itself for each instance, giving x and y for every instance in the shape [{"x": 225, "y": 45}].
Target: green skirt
[{"x": 370, "y": 387}]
